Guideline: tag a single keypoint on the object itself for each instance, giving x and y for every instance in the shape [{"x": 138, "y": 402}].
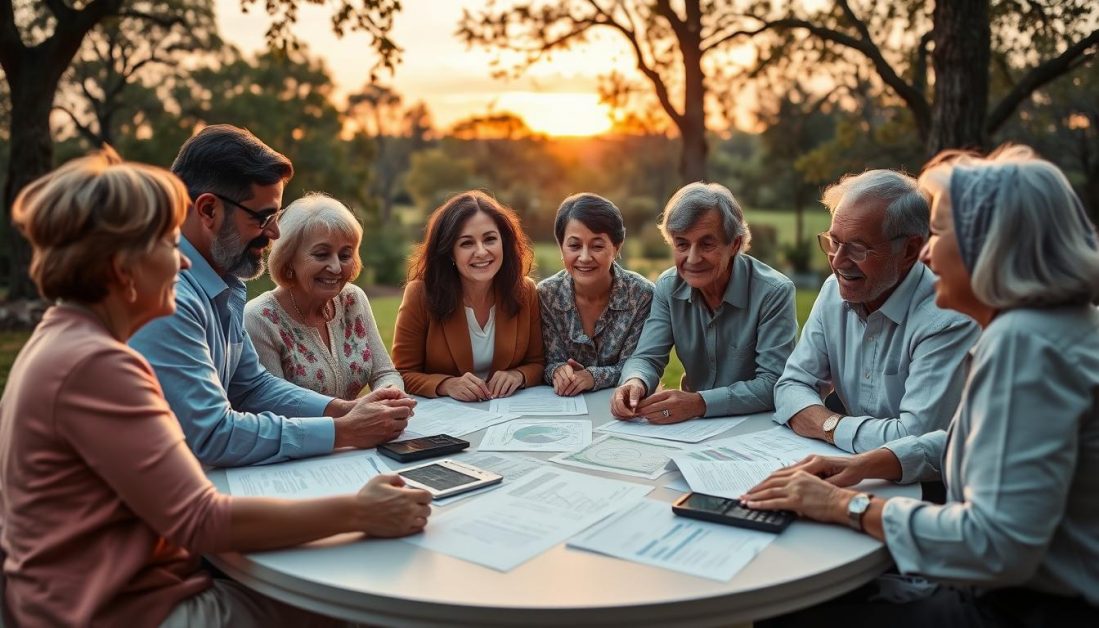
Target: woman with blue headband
[{"x": 1018, "y": 537}]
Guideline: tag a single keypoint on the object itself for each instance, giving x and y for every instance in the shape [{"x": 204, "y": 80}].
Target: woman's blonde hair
[
  {"x": 86, "y": 211},
  {"x": 1022, "y": 230},
  {"x": 312, "y": 212}
]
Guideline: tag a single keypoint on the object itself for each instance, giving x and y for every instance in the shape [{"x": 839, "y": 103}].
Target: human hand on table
[
  {"x": 467, "y": 387},
  {"x": 374, "y": 419},
  {"x": 797, "y": 490},
  {"x": 626, "y": 398},
  {"x": 388, "y": 508},
  {"x": 504, "y": 383},
  {"x": 572, "y": 378},
  {"x": 671, "y": 406}
]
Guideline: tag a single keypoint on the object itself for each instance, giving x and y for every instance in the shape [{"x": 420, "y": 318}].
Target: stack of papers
[
  {"x": 621, "y": 454},
  {"x": 650, "y": 533},
  {"x": 508, "y": 527},
  {"x": 435, "y": 416},
  {"x": 539, "y": 401}
]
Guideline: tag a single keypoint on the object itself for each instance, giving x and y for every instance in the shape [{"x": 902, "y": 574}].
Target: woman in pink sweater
[{"x": 104, "y": 511}]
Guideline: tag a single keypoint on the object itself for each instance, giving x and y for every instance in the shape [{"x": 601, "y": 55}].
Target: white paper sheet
[
  {"x": 537, "y": 435},
  {"x": 651, "y": 534},
  {"x": 627, "y": 455},
  {"x": 693, "y": 431},
  {"x": 435, "y": 416},
  {"x": 779, "y": 444},
  {"x": 539, "y": 401},
  {"x": 726, "y": 478},
  {"x": 338, "y": 474},
  {"x": 508, "y": 527}
]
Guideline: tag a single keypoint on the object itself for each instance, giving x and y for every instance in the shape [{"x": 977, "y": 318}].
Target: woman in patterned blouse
[
  {"x": 593, "y": 310},
  {"x": 316, "y": 329}
]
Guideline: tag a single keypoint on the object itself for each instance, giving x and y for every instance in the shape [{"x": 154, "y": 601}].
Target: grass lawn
[{"x": 385, "y": 311}]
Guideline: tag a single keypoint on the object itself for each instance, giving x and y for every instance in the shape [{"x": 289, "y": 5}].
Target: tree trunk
[
  {"x": 963, "y": 36},
  {"x": 31, "y": 157},
  {"x": 692, "y": 125}
]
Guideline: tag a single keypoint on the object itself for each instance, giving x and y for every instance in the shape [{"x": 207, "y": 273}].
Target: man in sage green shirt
[{"x": 730, "y": 318}]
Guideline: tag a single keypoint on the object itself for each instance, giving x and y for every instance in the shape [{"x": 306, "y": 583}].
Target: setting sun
[{"x": 559, "y": 114}]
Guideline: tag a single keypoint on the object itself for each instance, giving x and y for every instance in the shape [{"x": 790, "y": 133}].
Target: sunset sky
[{"x": 436, "y": 68}]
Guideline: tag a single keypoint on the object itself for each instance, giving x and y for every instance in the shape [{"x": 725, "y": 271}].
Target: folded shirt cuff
[
  {"x": 318, "y": 436},
  {"x": 844, "y": 436},
  {"x": 791, "y": 399},
  {"x": 910, "y": 452}
]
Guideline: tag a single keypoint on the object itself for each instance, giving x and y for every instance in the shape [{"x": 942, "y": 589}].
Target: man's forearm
[{"x": 809, "y": 422}]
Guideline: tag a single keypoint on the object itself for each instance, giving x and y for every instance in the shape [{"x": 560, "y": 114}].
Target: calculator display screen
[
  {"x": 438, "y": 477},
  {"x": 708, "y": 503}
]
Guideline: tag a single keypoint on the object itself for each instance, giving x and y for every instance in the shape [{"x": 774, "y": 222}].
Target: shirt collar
[
  {"x": 566, "y": 298},
  {"x": 212, "y": 283},
  {"x": 896, "y": 307},
  {"x": 736, "y": 291}
]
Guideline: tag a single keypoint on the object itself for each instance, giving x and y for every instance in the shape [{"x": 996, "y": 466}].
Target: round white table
[{"x": 389, "y": 582}]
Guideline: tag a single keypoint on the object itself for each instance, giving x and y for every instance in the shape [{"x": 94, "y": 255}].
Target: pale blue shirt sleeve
[
  {"x": 932, "y": 388},
  {"x": 1017, "y": 434},
  {"x": 807, "y": 370},
  {"x": 921, "y": 457},
  {"x": 255, "y": 418},
  {"x": 776, "y": 334}
]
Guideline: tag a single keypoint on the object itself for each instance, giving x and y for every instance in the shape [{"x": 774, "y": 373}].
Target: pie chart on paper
[
  {"x": 540, "y": 434},
  {"x": 537, "y": 435}
]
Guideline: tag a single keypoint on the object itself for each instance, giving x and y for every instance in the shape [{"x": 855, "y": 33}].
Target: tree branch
[{"x": 1037, "y": 77}]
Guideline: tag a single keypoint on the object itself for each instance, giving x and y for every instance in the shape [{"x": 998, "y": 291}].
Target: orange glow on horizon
[{"x": 558, "y": 114}]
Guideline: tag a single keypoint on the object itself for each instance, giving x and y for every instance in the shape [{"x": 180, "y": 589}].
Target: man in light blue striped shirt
[{"x": 875, "y": 336}]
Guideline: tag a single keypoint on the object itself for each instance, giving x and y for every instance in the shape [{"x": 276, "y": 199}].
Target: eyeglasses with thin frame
[
  {"x": 857, "y": 252},
  {"x": 264, "y": 219}
]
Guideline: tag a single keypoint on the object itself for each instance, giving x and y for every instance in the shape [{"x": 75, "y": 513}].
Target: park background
[{"x": 393, "y": 105}]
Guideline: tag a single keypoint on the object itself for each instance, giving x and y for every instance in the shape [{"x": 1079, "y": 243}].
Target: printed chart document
[
  {"x": 778, "y": 444},
  {"x": 538, "y": 435},
  {"x": 539, "y": 401},
  {"x": 511, "y": 466},
  {"x": 651, "y": 534},
  {"x": 724, "y": 478},
  {"x": 338, "y": 474},
  {"x": 693, "y": 431},
  {"x": 508, "y": 527},
  {"x": 434, "y": 416},
  {"x": 628, "y": 455}
]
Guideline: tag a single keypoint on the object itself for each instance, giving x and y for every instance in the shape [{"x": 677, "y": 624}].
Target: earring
[
  {"x": 131, "y": 294},
  {"x": 290, "y": 273}
]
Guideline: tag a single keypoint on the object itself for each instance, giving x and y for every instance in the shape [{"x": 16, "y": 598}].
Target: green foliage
[
  {"x": 384, "y": 253},
  {"x": 434, "y": 176}
]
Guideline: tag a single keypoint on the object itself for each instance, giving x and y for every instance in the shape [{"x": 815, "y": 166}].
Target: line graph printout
[
  {"x": 508, "y": 527},
  {"x": 537, "y": 435},
  {"x": 622, "y": 454},
  {"x": 779, "y": 444},
  {"x": 339, "y": 474},
  {"x": 539, "y": 401},
  {"x": 651, "y": 534}
]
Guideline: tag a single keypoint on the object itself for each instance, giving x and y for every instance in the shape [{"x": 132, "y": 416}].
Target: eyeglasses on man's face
[
  {"x": 856, "y": 251},
  {"x": 263, "y": 219}
]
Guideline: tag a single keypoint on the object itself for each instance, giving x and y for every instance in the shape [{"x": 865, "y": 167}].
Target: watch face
[
  {"x": 859, "y": 503},
  {"x": 830, "y": 423}
]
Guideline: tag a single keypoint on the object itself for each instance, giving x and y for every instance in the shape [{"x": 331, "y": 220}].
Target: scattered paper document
[
  {"x": 338, "y": 474},
  {"x": 779, "y": 444},
  {"x": 726, "y": 478},
  {"x": 651, "y": 534},
  {"x": 677, "y": 484},
  {"x": 539, "y": 401},
  {"x": 622, "y": 454},
  {"x": 537, "y": 435},
  {"x": 508, "y": 527},
  {"x": 434, "y": 416},
  {"x": 693, "y": 431}
]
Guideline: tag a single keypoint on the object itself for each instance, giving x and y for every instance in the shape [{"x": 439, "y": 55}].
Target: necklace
[{"x": 327, "y": 317}]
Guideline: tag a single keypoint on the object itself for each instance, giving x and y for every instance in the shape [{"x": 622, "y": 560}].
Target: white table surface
[{"x": 389, "y": 582}]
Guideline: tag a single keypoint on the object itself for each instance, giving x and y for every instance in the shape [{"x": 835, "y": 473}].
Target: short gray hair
[
  {"x": 693, "y": 201},
  {"x": 1040, "y": 249},
  {"x": 309, "y": 213},
  {"x": 906, "y": 209}
]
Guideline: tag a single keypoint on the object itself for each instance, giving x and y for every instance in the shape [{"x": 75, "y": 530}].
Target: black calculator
[
  {"x": 420, "y": 448},
  {"x": 730, "y": 512}
]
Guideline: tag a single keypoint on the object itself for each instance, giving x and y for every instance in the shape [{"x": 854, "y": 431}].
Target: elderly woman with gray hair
[
  {"x": 1018, "y": 538},
  {"x": 316, "y": 329},
  {"x": 730, "y": 318}
]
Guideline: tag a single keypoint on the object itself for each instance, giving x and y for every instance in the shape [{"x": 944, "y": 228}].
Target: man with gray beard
[{"x": 233, "y": 412}]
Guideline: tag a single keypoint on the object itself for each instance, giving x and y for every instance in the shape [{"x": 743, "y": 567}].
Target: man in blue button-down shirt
[
  {"x": 233, "y": 412},
  {"x": 875, "y": 335},
  {"x": 729, "y": 316}
]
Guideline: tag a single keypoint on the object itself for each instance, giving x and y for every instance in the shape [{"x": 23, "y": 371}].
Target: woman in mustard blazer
[{"x": 469, "y": 325}]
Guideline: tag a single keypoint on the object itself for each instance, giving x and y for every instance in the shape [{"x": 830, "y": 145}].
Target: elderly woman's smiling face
[{"x": 324, "y": 263}]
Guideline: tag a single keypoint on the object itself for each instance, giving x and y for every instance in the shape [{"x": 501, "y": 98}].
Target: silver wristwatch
[{"x": 856, "y": 508}]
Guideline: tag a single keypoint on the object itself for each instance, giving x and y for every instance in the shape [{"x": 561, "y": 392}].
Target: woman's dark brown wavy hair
[{"x": 433, "y": 260}]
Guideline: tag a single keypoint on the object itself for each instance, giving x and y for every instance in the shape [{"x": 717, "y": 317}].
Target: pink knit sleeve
[{"x": 113, "y": 413}]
